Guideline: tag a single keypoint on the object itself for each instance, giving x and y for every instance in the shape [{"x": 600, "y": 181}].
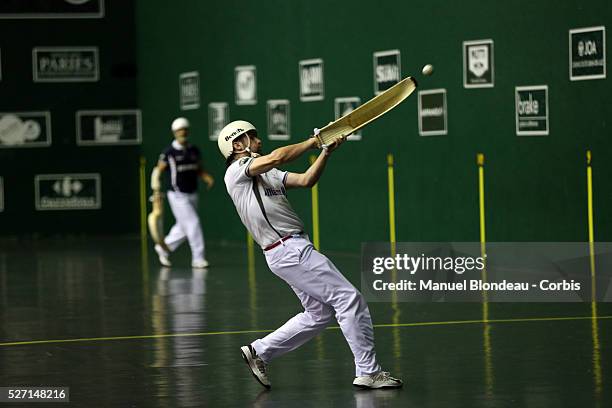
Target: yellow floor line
[{"x": 221, "y": 333}]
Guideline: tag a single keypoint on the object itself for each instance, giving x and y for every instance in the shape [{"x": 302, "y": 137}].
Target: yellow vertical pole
[
  {"x": 250, "y": 252},
  {"x": 480, "y": 159},
  {"x": 397, "y": 348},
  {"x": 315, "y": 210},
  {"x": 391, "y": 184},
  {"x": 252, "y": 279},
  {"x": 591, "y": 227},
  {"x": 590, "y": 196},
  {"x": 597, "y": 376},
  {"x": 481, "y": 202}
]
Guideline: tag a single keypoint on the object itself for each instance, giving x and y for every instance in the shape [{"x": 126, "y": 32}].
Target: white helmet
[
  {"x": 230, "y": 132},
  {"x": 179, "y": 123}
]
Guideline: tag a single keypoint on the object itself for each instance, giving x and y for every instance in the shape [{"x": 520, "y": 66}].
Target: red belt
[{"x": 280, "y": 241}]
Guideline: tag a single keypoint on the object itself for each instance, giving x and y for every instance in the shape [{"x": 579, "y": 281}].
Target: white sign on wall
[
  {"x": 25, "y": 129},
  {"x": 387, "y": 70},
  {"x": 47, "y": 9},
  {"x": 218, "y": 117},
  {"x": 312, "y": 85},
  {"x": 189, "y": 89},
  {"x": 245, "y": 77},
  {"x": 67, "y": 192},
  {"x": 531, "y": 107},
  {"x": 65, "y": 64},
  {"x": 108, "y": 127},
  {"x": 587, "y": 53},
  {"x": 432, "y": 112},
  {"x": 478, "y": 64},
  {"x": 279, "y": 125}
]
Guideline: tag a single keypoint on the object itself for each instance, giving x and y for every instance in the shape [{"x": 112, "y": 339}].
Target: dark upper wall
[{"x": 114, "y": 35}]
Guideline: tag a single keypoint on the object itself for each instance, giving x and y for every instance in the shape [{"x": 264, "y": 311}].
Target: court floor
[{"x": 121, "y": 331}]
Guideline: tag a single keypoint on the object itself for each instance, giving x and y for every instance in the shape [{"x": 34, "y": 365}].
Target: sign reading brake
[{"x": 234, "y": 133}]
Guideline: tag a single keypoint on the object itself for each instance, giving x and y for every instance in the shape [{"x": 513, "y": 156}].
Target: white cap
[
  {"x": 179, "y": 123},
  {"x": 230, "y": 132}
]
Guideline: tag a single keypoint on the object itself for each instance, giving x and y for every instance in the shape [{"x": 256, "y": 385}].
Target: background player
[
  {"x": 258, "y": 191},
  {"x": 183, "y": 160}
]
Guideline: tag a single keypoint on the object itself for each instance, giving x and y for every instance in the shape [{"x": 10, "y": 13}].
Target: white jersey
[{"x": 262, "y": 203}]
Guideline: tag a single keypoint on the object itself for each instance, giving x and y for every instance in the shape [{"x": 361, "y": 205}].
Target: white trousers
[
  {"x": 324, "y": 292},
  {"x": 187, "y": 227}
]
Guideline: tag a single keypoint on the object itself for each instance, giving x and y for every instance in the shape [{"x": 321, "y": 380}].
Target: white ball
[{"x": 427, "y": 69}]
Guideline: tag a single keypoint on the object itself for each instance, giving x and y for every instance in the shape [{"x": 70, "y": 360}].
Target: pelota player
[
  {"x": 258, "y": 190},
  {"x": 183, "y": 161}
]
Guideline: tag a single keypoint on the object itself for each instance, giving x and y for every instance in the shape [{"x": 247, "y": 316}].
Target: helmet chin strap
[{"x": 247, "y": 149}]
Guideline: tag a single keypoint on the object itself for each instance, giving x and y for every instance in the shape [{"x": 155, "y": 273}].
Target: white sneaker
[
  {"x": 256, "y": 364},
  {"x": 162, "y": 255},
  {"x": 381, "y": 379},
  {"x": 201, "y": 264}
]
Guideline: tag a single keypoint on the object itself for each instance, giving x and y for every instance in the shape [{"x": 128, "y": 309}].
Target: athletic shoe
[
  {"x": 381, "y": 379},
  {"x": 256, "y": 364},
  {"x": 201, "y": 264},
  {"x": 162, "y": 255}
]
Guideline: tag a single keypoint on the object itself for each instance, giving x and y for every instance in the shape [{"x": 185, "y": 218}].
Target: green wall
[
  {"x": 535, "y": 186},
  {"x": 114, "y": 35}
]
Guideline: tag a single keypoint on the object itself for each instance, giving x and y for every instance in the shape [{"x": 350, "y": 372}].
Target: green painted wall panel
[{"x": 536, "y": 186}]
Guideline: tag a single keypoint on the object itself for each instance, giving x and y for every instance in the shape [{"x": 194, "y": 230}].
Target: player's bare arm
[
  {"x": 161, "y": 166},
  {"x": 310, "y": 177},
  {"x": 206, "y": 177},
  {"x": 279, "y": 156},
  {"x": 156, "y": 177}
]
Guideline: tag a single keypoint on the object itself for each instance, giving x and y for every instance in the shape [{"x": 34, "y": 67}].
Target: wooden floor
[{"x": 121, "y": 331}]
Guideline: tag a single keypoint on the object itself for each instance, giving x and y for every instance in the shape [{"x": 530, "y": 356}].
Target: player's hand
[
  {"x": 209, "y": 180},
  {"x": 334, "y": 145},
  {"x": 157, "y": 198},
  {"x": 157, "y": 194}
]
